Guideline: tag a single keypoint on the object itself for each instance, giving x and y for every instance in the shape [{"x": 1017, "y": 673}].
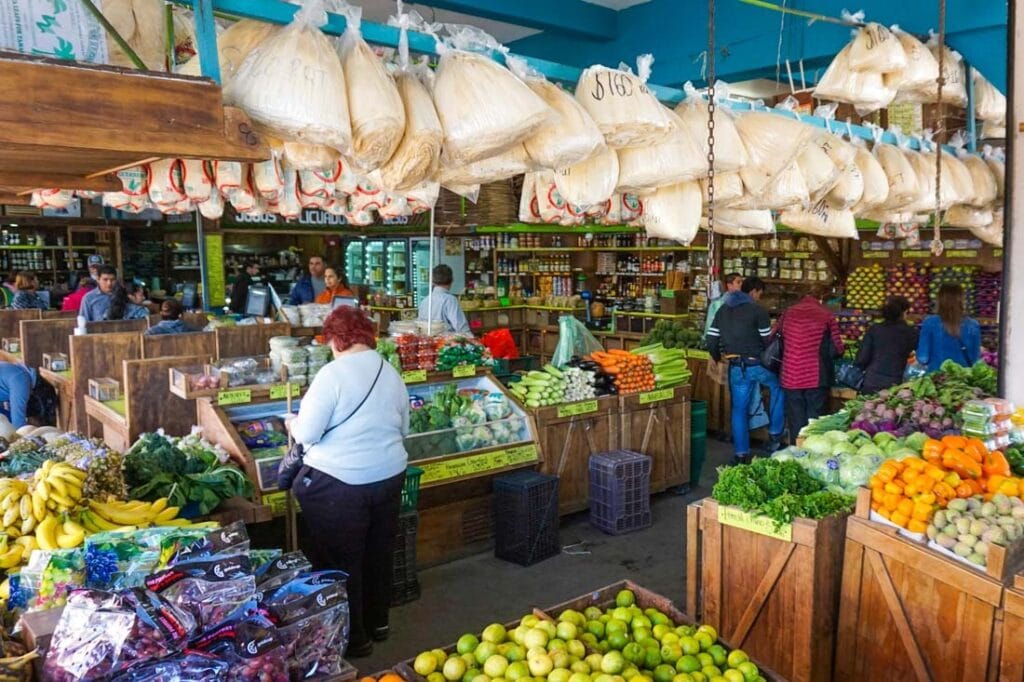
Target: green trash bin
[{"x": 698, "y": 439}]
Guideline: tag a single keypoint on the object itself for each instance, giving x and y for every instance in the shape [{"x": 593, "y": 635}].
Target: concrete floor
[{"x": 468, "y": 594}]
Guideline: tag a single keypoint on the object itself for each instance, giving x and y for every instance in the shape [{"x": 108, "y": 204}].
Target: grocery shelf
[{"x": 560, "y": 249}]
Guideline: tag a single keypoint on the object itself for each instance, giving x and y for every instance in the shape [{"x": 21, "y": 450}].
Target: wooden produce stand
[
  {"x": 94, "y": 356},
  {"x": 939, "y": 618},
  {"x": 1011, "y": 656},
  {"x": 657, "y": 424},
  {"x": 774, "y": 594},
  {"x": 248, "y": 339}
]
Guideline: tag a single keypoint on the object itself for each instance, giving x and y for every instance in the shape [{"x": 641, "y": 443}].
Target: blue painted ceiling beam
[{"x": 561, "y": 17}]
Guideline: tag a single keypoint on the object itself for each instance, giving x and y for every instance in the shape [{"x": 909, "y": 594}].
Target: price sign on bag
[{"x": 235, "y": 397}]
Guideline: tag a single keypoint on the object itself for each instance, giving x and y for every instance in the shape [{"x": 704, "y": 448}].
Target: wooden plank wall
[
  {"x": 96, "y": 356},
  {"x": 44, "y": 336},
  {"x": 149, "y": 403},
  {"x": 244, "y": 340},
  {"x": 169, "y": 345},
  {"x": 10, "y": 321},
  {"x": 111, "y": 326}
]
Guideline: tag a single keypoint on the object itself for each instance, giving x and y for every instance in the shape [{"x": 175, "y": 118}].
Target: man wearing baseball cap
[
  {"x": 95, "y": 262},
  {"x": 73, "y": 302}
]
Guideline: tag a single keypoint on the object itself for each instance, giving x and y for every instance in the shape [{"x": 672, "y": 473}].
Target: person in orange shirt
[{"x": 335, "y": 284}]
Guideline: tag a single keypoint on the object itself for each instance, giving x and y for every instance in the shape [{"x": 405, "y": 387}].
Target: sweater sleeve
[
  {"x": 925, "y": 343},
  {"x": 316, "y": 409},
  {"x": 973, "y": 341},
  {"x": 837, "y": 339},
  {"x": 867, "y": 349},
  {"x": 713, "y": 338}
]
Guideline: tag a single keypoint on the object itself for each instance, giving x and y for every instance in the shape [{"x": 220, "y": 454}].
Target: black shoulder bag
[
  {"x": 290, "y": 464},
  {"x": 771, "y": 356}
]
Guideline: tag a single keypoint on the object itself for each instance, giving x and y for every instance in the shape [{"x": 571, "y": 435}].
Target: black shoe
[
  {"x": 380, "y": 634},
  {"x": 359, "y": 651},
  {"x": 774, "y": 445},
  {"x": 739, "y": 459}
]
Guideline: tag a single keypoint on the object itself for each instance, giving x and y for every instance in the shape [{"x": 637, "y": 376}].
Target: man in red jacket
[{"x": 810, "y": 343}]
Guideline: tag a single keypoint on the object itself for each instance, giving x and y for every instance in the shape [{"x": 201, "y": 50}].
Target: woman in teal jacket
[{"x": 949, "y": 335}]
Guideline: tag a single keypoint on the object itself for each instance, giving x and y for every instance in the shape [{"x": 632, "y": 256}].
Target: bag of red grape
[
  {"x": 103, "y": 633},
  {"x": 191, "y": 666},
  {"x": 210, "y": 588},
  {"x": 311, "y": 613},
  {"x": 252, "y": 647}
]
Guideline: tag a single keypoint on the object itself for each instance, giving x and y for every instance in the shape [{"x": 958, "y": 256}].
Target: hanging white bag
[
  {"x": 267, "y": 177},
  {"x": 901, "y": 175},
  {"x": 954, "y": 90},
  {"x": 289, "y": 205},
  {"x": 294, "y": 84},
  {"x": 920, "y": 71},
  {"x": 418, "y": 154},
  {"x": 728, "y": 188},
  {"x": 625, "y": 111},
  {"x": 589, "y": 182},
  {"x": 867, "y": 91},
  {"x": 569, "y": 136},
  {"x": 876, "y": 182},
  {"x": 423, "y": 197},
  {"x": 772, "y": 143},
  {"x": 52, "y": 198},
  {"x": 134, "y": 181},
  {"x": 730, "y": 154},
  {"x": 677, "y": 158},
  {"x": 511, "y": 162},
  {"x": 197, "y": 179},
  {"x": 166, "y": 184},
  {"x": 233, "y": 45},
  {"x": 993, "y": 232},
  {"x": 227, "y": 175},
  {"x": 613, "y": 211},
  {"x": 820, "y": 174},
  {"x": 483, "y": 107},
  {"x": 213, "y": 207},
  {"x": 734, "y": 223},
  {"x": 997, "y": 164},
  {"x": 244, "y": 198},
  {"x": 875, "y": 48},
  {"x": 968, "y": 217},
  {"x": 673, "y": 212},
  {"x": 551, "y": 205},
  {"x": 821, "y": 220},
  {"x": 528, "y": 212},
  {"x": 633, "y": 209},
  {"x": 989, "y": 103},
  {"x": 785, "y": 190},
  {"x": 305, "y": 156}
]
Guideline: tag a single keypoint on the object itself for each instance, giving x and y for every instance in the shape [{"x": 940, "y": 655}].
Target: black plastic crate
[
  {"x": 620, "y": 491},
  {"x": 526, "y": 517},
  {"x": 405, "y": 586}
]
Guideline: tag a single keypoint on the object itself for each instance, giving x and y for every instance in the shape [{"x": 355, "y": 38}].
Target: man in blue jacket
[
  {"x": 308, "y": 288},
  {"x": 16, "y": 382}
]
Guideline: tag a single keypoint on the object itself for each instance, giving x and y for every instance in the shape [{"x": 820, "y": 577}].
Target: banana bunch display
[{"x": 118, "y": 515}]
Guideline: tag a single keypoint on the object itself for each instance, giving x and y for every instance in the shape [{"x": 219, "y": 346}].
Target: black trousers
[
  {"x": 803, "y": 405},
  {"x": 353, "y": 528}
]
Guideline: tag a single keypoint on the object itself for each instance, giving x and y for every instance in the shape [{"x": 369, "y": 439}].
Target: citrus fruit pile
[{"x": 619, "y": 644}]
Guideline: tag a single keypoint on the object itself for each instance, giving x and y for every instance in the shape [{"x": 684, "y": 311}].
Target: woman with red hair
[{"x": 352, "y": 422}]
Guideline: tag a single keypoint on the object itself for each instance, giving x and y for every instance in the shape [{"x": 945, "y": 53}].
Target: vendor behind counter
[{"x": 441, "y": 305}]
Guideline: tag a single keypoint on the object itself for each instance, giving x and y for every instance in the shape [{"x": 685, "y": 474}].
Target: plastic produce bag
[
  {"x": 728, "y": 188},
  {"x": 252, "y": 646},
  {"x": 483, "y": 108},
  {"x": 968, "y": 217},
  {"x": 875, "y": 48},
  {"x": 821, "y": 220},
  {"x": 103, "y": 633},
  {"x": 989, "y": 103},
  {"x": 849, "y": 189},
  {"x": 997, "y": 164},
  {"x": 282, "y": 570},
  {"x": 677, "y": 158},
  {"x": 982, "y": 180},
  {"x": 875, "y": 180},
  {"x": 208, "y": 588},
  {"x": 501, "y": 344},
  {"x": 233, "y": 45},
  {"x": 574, "y": 340},
  {"x": 673, "y": 212},
  {"x": 589, "y": 182},
  {"x": 312, "y": 617},
  {"x": 867, "y": 91},
  {"x": 418, "y": 154},
  {"x": 730, "y": 154},
  {"x": 625, "y": 111},
  {"x": 993, "y": 232},
  {"x": 954, "y": 90},
  {"x": 511, "y": 162},
  {"x": 772, "y": 143},
  {"x": 904, "y": 187},
  {"x": 294, "y": 84},
  {"x": 191, "y": 666},
  {"x": 920, "y": 71},
  {"x": 734, "y": 223},
  {"x": 820, "y": 174},
  {"x": 786, "y": 189}
]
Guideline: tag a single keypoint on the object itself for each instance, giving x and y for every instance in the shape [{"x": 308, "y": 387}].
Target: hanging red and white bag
[
  {"x": 423, "y": 197},
  {"x": 213, "y": 207},
  {"x": 267, "y": 177},
  {"x": 367, "y": 198},
  {"x": 243, "y": 198},
  {"x": 166, "y": 182},
  {"x": 550, "y": 202},
  {"x": 528, "y": 211},
  {"x": 52, "y": 198},
  {"x": 134, "y": 181},
  {"x": 197, "y": 179},
  {"x": 290, "y": 205},
  {"x": 227, "y": 175},
  {"x": 632, "y": 209},
  {"x": 613, "y": 216},
  {"x": 336, "y": 206},
  {"x": 395, "y": 206}
]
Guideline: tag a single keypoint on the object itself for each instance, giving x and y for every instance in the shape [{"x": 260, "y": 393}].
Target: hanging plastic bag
[
  {"x": 574, "y": 341},
  {"x": 876, "y": 182},
  {"x": 309, "y": 157},
  {"x": 954, "y": 90},
  {"x": 550, "y": 204},
  {"x": 875, "y": 48},
  {"x": 867, "y": 91},
  {"x": 820, "y": 174},
  {"x": 52, "y": 198},
  {"x": 902, "y": 178},
  {"x": 166, "y": 184},
  {"x": 785, "y": 190},
  {"x": 968, "y": 217},
  {"x": 590, "y": 182},
  {"x": 730, "y": 154},
  {"x": 997, "y": 164},
  {"x": 528, "y": 210},
  {"x": 227, "y": 175},
  {"x": 511, "y": 162},
  {"x": 134, "y": 181},
  {"x": 612, "y": 211},
  {"x": 821, "y": 220},
  {"x": 921, "y": 69},
  {"x": 423, "y": 197},
  {"x": 294, "y": 84},
  {"x": 673, "y": 212},
  {"x": 483, "y": 108},
  {"x": 289, "y": 204},
  {"x": 734, "y": 223},
  {"x": 197, "y": 179},
  {"x": 625, "y": 111},
  {"x": 141, "y": 24},
  {"x": 677, "y": 158},
  {"x": 993, "y": 232},
  {"x": 268, "y": 179},
  {"x": 728, "y": 188},
  {"x": 418, "y": 154},
  {"x": 213, "y": 207},
  {"x": 501, "y": 344},
  {"x": 989, "y": 103},
  {"x": 848, "y": 190},
  {"x": 772, "y": 143}
]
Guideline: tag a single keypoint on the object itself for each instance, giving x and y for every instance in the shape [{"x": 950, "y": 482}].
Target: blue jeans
[{"x": 745, "y": 384}]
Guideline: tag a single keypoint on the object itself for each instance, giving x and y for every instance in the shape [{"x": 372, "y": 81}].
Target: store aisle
[{"x": 466, "y": 595}]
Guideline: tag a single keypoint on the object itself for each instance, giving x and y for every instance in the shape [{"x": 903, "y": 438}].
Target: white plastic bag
[
  {"x": 511, "y": 162},
  {"x": 233, "y": 45},
  {"x": 551, "y": 206},
  {"x": 954, "y": 90},
  {"x": 632, "y": 209},
  {"x": 730, "y": 154},
  {"x": 673, "y": 212},
  {"x": 197, "y": 178},
  {"x": 52, "y": 198},
  {"x": 728, "y": 188},
  {"x": 423, "y": 197},
  {"x": 876, "y": 49},
  {"x": 293, "y": 83},
  {"x": 528, "y": 210},
  {"x": 920, "y": 71},
  {"x": 734, "y": 223},
  {"x": 268, "y": 179},
  {"x": 901, "y": 175},
  {"x": 589, "y": 182},
  {"x": 848, "y": 190},
  {"x": 867, "y": 91},
  {"x": 772, "y": 143},
  {"x": 418, "y": 153},
  {"x": 820, "y": 174},
  {"x": 213, "y": 207},
  {"x": 483, "y": 107},
  {"x": 968, "y": 217},
  {"x": 375, "y": 107},
  {"x": 677, "y": 158},
  {"x": 997, "y": 165},
  {"x": 989, "y": 103},
  {"x": 786, "y": 189},
  {"x": 821, "y": 220},
  {"x": 290, "y": 203},
  {"x": 228, "y": 175},
  {"x": 993, "y": 232},
  {"x": 166, "y": 184},
  {"x": 625, "y": 111},
  {"x": 303, "y": 156},
  {"x": 876, "y": 182}
]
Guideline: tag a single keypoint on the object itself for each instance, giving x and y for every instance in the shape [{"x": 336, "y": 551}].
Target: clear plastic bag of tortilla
[
  {"x": 920, "y": 71},
  {"x": 737, "y": 223},
  {"x": 989, "y": 103},
  {"x": 590, "y": 182},
  {"x": 876, "y": 182},
  {"x": 772, "y": 143},
  {"x": 983, "y": 181},
  {"x": 673, "y": 212},
  {"x": 574, "y": 341},
  {"x": 785, "y": 190},
  {"x": 677, "y": 158},
  {"x": 876, "y": 48},
  {"x": 993, "y": 232},
  {"x": 483, "y": 107},
  {"x": 954, "y": 90},
  {"x": 867, "y": 91},
  {"x": 728, "y": 188},
  {"x": 419, "y": 152},
  {"x": 233, "y": 45},
  {"x": 625, "y": 111},
  {"x": 821, "y": 220},
  {"x": 511, "y": 162},
  {"x": 904, "y": 187},
  {"x": 293, "y": 83},
  {"x": 730, "y": 154}
]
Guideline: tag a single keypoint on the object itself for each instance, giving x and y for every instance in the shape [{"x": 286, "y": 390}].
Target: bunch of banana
[
  {"x": 118, "y": 515},
  {"x": 57, "y": 486},
  {"x": 15, "y": 506},
  {"x": 52, "y": 533}
]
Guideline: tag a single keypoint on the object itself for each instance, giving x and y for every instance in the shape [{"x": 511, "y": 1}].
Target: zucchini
[{"x": 553, "y": 371}]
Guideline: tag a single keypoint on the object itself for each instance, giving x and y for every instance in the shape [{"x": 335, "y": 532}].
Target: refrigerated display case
[
  {"x": 421, "y": 265},
  {"x": 355, "y": 264},
  {"x": 397, "y": 267},
  {"x": 375, "y": 259}
]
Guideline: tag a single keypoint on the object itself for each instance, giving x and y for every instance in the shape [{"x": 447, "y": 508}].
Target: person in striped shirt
[{"x": 811, "y": 342}]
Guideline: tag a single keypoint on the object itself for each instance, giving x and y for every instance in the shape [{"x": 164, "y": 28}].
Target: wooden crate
[
  {"x": 659, "y": 429},
  {"x": 774, "y": 599},
  {"x": 910, "y": 613},
  {"x": 1011, "y": 654}
]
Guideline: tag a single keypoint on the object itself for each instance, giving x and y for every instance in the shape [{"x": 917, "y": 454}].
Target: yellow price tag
[
  {"x": 656, "y": 396},
  {"x": 414, "y": 376},
  {"x": 576, "y": 409},
  {"x": 917, "y": 254},
  {"x": 751, "y": 254},
  {"x": 280, "y": 391},
  {"x": 235, "y": 397},
  {"x": 478, "y": 464},
  {"x": 875, "y": 255},
  {"x": 797, "y": 255},
  {"x": 762, "y": 525},
  {"x": 463, "y": 371}
]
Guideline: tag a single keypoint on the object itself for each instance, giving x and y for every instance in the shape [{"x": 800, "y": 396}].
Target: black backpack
[{"x": 42, "y": 403}]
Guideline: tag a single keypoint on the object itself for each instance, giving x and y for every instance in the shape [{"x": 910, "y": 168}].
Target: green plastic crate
[
  {"x": 411, "y": 491},
  {"x": 698, "y": 439}
]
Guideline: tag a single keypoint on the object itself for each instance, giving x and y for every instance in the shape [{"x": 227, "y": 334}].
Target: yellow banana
[
  {"x": 46, "y": 533},
  {"x": 173, "y": 522},
  {"x": 158, "y": 506},
  {"x": 28, "y": 525},
  {"x": 99, "y": 522},
  {"x": 12, "y": 557},
  {"x": 11, "y": 515},
  {"x": 28, "y": 542},
  {"x": 13, "y": 531},
  {"x": 166, "y": 515},
  {"x": 42, "y": 490},
  {"x": 25, "y": 507},
  {"x": 69, "y": 475},
  {"x": 71, "y": 535},
  {"x": 61, "y": 500},
  {"x": 10, "y": 498},
  {"x": 119, "y": 514},
  {"x": 86, "y": 519},
  {"x": 57, "y": 485},
  {"x": 38, "y": 507}
]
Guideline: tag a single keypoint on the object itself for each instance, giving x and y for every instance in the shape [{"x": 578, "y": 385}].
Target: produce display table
[
  {"x": 63, "y": 385},
  {"x": 1011, "y": 657},
  {"x": 113, "y": 426},
  {"x": 773, "y": 593},
  {"x": 13, "y": 358}
]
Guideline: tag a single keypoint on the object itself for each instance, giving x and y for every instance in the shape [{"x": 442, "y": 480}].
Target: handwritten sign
[
  {"x": 698, "y": 354},
  {"x": 235, "y": 397},
  {"x": 576, "y": 409},
  {"x": 280, "y": 391},
  {"x": 478, "y": 464},
  {"x": 414, "y": 376},
  {"x": 656, "y": 396},
  {"x": 797, "y": 254},
  {"x": 916, "y": 254},
  {"x": 961, "y": 253},
  {"x": 762, "y": 525},
  {"x": 876, "y": 255},
  {"x": 751, "y": 254},
  {"x": 462, "y": 371}
]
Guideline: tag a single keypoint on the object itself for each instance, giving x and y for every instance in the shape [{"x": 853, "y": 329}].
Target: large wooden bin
[
  {"x": 657, "y": 424},
  {"x": 775, "y": 599},
  {"x": 1011, "y": 656},
  {"x": 910, "y": 613}
]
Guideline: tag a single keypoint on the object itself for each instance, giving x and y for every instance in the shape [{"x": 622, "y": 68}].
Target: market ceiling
[{"x": 752, "y": 42}]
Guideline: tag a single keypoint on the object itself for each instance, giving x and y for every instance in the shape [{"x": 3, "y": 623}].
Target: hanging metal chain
[
  {"x": 940, "y": 128},
  {"x": 712, "y": 262}
]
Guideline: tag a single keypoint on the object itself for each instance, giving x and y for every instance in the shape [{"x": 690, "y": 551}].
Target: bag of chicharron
[
  {"x": 673, "y": 212},
  {"x": 293, "y": 83},
  {"x": 626, "y": 112},
  {"x": 730, "y": 154},
  {"x": 733, "y": 223},
  {"x": 677, "y": 158},
  {"x": 954, "y": 90},
  {"x": 375, "y": 107},
  {"x": 876, "y": 48},
  {"x": 772, "y": 143},
  {"x": 483, "y": 107},
  {"x": 983, "y": 181},
  {"x": 728, "y": 188},
  {"x": 876, "y": 182},
  {"x": 511, "y": 162},
  {"x": 902, "y": 177},
  {"x": 418, "y": 154},
  {"x": 989, "y": 103},
  {"x": 867, "y": 91},
  {"x": 233, "y": 46},
  {"x": 921, "y": 69},
  {"x": 822, "y": 220},
  {"x": 590, "y": 182}
]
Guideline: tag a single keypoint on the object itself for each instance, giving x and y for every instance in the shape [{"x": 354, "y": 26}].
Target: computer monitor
[
  {"x": 340, "y": 301},
  {"x": 188, "y": 296},
  {"x": 257, "y": 303}
]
